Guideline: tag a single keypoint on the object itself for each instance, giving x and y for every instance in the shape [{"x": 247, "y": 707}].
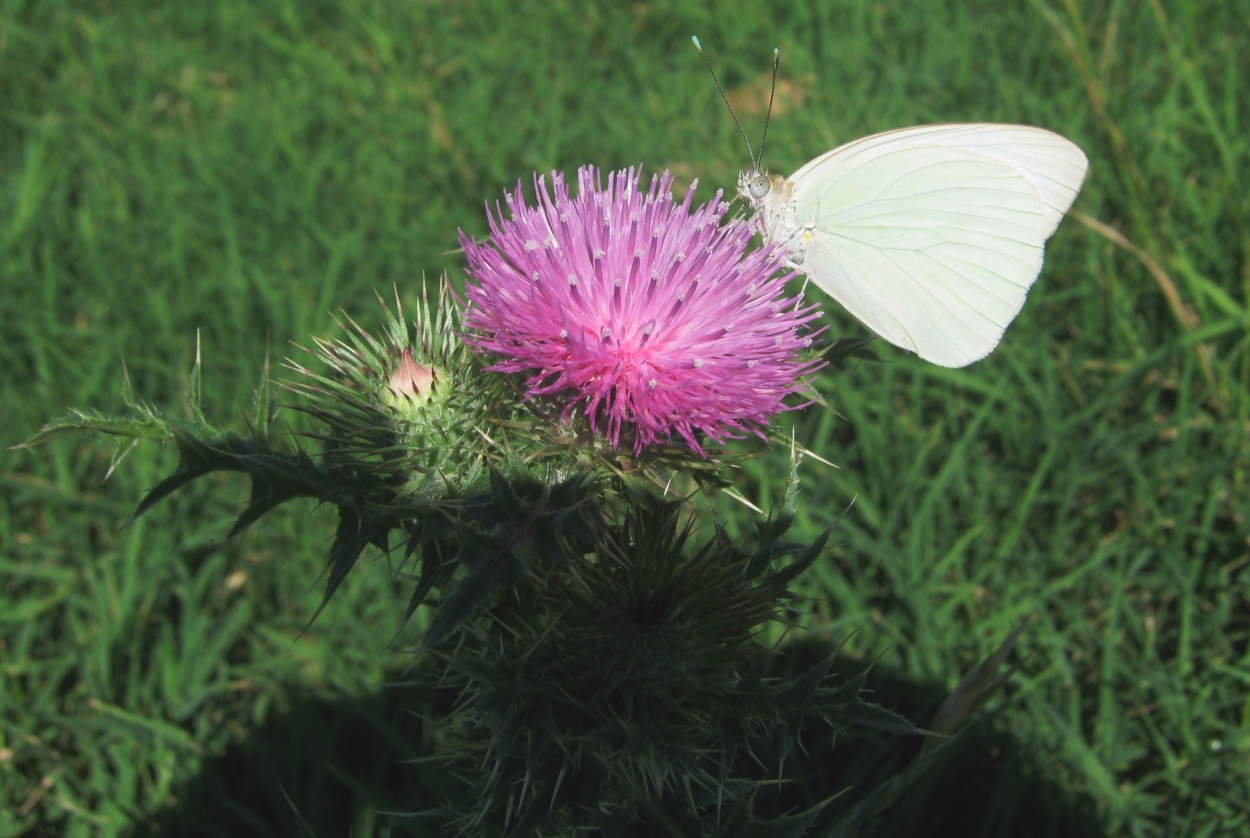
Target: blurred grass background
[{"x": 240, "y": 170}]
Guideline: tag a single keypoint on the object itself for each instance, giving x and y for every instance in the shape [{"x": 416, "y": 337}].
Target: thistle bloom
[{"x": 651, "y": 318}]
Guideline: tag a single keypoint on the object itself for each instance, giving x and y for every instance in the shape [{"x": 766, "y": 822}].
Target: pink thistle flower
[{"x": 652, "y": 317}]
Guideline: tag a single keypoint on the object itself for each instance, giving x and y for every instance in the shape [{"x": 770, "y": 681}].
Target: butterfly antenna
[
  {"x": 771, "y": 95},
  {"x": 723, "y": 95}
]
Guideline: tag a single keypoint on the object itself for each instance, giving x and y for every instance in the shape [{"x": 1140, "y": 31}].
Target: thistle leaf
[
  {"x": 786, "y": 826},
  {"x": 148, "y": 425},
  {"x": 194, "y": 384},
  {"x": 491, "y": 567},
  {"x": 354, "y": 533}
]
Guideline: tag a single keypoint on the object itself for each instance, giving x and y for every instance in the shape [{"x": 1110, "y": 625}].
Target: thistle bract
[{"x": 648, "y": 316}]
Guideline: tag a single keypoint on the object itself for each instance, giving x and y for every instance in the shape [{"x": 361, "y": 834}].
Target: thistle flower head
[{"x": 649, "y": 317}]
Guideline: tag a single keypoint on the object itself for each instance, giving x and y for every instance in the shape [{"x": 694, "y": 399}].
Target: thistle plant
[{"x": 514, "y": 448}]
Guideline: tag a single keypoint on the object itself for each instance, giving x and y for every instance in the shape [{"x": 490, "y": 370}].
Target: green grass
[{"x": 241, "y": 170}]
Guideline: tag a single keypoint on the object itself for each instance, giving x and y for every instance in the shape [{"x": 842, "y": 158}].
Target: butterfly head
[{"x": 756, "y": 185}]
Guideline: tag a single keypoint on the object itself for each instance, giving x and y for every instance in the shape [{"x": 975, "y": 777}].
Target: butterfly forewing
[{"x": 1054, "y": 165}]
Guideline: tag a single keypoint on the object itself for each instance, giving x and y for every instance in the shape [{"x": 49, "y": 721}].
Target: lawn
[{"x": 223, "y": 178}]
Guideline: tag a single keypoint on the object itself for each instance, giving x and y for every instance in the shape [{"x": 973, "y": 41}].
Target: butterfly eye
[{"x": 760, "y": 186}]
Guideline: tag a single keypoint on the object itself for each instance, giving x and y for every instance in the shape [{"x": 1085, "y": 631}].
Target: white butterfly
[{"x": 930, "y": 235}]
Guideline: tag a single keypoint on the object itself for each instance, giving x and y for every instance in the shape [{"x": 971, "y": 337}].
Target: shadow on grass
[
  {"x": 983, "y": 784},
  {"x": 342, "y": 761},
  {"x": 336, "y": 762}
]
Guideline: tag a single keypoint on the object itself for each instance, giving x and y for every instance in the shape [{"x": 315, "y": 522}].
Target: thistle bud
[{"x": 411, "y": 386}]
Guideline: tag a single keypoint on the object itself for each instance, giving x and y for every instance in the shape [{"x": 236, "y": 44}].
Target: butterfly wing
[
  {"x": 932, "y": 236},
  {"x": 1054, "y": 165}
]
